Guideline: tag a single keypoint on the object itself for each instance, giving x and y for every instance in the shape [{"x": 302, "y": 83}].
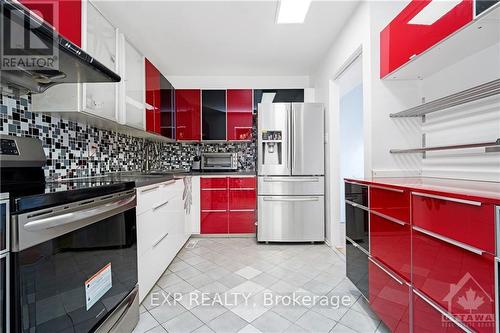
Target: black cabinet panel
[
  {"x": 483, "y": 5},
  {"x": 282, "y": 96},
  {"x": 357, "y": 268},
  {"x": 167, "y": 109},
  {"x": 356, "y": 225},
  {"x": 213, "y": 114},
  {"x": 356, "y": 193}
]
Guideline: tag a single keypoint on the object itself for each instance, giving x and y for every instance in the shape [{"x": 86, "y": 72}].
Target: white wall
[{"x": 235, "y": 82}]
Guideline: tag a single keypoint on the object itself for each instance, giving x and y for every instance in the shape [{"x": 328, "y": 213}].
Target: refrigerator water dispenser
[{"x": 272, "y": 148}]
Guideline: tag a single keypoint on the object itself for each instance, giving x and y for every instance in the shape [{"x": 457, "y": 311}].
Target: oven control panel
[{"x": 8, "y": 147}]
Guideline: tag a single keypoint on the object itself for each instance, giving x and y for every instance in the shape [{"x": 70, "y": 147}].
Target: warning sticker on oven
[{"x": 98, "y": 285}]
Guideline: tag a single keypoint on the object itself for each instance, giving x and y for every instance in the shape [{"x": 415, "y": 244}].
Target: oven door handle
[{"x": 91, "y": 214}]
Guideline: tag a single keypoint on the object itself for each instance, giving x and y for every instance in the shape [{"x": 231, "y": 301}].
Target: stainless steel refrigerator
[{"x": 290, "y": 162}]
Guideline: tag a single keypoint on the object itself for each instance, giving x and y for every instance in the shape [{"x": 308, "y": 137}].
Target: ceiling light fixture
[
  {"x": 292, "y": 11},
  {"x": 434, "y": 11}
]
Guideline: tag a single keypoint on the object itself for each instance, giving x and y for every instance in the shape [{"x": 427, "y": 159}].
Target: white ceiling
[{"x": 227, "y": 37}]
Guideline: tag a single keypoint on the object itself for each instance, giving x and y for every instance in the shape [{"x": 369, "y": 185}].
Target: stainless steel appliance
[
  {"x": 290, "y": 141},
  {"x": 73, "y": 258},
  {"x": 74, "y": 64},
  {"x": 219, "y": 161}
]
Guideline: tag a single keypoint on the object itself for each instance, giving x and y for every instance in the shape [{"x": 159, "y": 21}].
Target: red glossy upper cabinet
[
  {"x": 418, "y": 27},
  {"x": 239, "y": 114},
  {"x": 187, "y": 114},
  {"x": 64, "y": 15},
  {"x": 152, "y": 98}
]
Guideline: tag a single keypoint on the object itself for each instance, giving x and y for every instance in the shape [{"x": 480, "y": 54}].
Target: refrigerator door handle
[
  {"x": 289, "y": 139},
  {"x": 291, "y": 199},
  {"x": 290, "y": 179}
]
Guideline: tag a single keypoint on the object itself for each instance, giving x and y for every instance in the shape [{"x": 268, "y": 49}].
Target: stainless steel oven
[
  {"x": 219, "y": 161},
  {"x": 75, "y": 266}
]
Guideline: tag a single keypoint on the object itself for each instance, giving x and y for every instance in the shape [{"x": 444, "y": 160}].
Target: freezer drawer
[
  {"x": 291, "y": 218},
  {"x": 291, "y": 185}
]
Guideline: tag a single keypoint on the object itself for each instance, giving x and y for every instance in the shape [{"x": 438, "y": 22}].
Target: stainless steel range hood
[{"x": 35, "y": 57}]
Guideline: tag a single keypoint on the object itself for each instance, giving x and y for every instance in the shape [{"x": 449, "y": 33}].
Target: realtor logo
[
  {"x": 21, "y": 44},
  {"x": 470, "y": 303}
]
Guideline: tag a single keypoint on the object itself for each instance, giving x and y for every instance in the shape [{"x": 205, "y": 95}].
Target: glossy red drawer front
[
  {"x": 214, "y": 200},
  {"x": 242, "y": 199},
  {"x": 213, "y": 223},
  {"x": 401, "y": 40},
  {"x": 426, "y": 319},
  {"x": 152, "y": 97},
  {"x": 243, "y": 182},
  {"x": 218, "y": 183},
  {"x": 391, "y": 201},
  {"x": 241, "y": 222},
  {"x": 460, "y": 281},
  {"x": 188, "y": 114},
  {"x": 390, "y": 243},
  {"x": 389, "y": 298},
  {"x": 463, "y": 222}
]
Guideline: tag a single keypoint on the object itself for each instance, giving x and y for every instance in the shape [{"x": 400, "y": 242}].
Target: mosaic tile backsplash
[{"x": 69, "y": 146}]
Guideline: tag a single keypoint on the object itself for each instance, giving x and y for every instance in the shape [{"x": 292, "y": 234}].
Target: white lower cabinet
[{"x": 161, "y": 230}]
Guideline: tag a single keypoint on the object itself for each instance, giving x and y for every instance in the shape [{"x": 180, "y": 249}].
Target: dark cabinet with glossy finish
[
  {"x": 167, "y": 111},
  {"x": 357, "y": 193},
  {"x": 357, "y": 267},
  {"x": 213, "y": 114},
  {"x": 356, "y": 225}
]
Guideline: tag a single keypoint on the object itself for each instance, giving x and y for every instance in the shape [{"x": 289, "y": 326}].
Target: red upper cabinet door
[
  {"x": 187, "y": 114},
  {"x": 64, "y": 15},
  {"x": 413, "y": 31},
  {"x": 239, "y": 114},
  {"x": 152, "y": 98}
]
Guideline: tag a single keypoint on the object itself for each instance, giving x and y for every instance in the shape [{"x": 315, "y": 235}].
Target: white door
[
  {"x": 134, "y": 87},
  {"x": 101, "y": 43}
]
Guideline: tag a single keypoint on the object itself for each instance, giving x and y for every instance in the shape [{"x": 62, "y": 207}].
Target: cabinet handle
[
  {"x": 449, "y": 240},
  {"x": 168, "y": 182},
  {"x": 161, "y": 205},
  {"x": 357, "y": 246},
  {"x": 388, "y": 218},
  {"x": 357, "y": 205},
  {"x": 242, "y": 210},
  {"x": 351, "y": 182},
  {"x": 439, "y": 197},
  {"x": 155, "y": 244},
  {"x": 444, "y": 313},
  {"x": 213, "y": 210},
  {"x": 214, "y": 189},
  {"x": 387, "y": 188},
  {"x": 150, "y": 189},
  {"x": 242, "y": 189},
  {"x": 386, "y": 271}
]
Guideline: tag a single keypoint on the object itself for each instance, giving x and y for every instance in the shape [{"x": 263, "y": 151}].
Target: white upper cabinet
[
  {"x": 132, "y": 93},
  {"x": 100, "y": 40}
]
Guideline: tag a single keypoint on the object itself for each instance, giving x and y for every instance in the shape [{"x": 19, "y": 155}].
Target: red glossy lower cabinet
[
  {"x": 389, "y": 297},
  {"x": 217, "y": 183},
  {"x": 242, "y": 199},
  {"x": 214, "y": 223},
  {"x": 427, "y": 319},
  {"x": 469, "y": 222},
  {"x": 241, "y": 222},
  {"x": 390, "y": 201},
  {"x": 390, "y": 243},
  {"x": 457, "y": 279},
  {"x": 243, "y": 182},
  {"x": 212, "y": 199}
]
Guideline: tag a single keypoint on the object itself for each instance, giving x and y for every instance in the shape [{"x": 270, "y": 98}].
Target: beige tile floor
[{"x": 237, "y": 285}]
